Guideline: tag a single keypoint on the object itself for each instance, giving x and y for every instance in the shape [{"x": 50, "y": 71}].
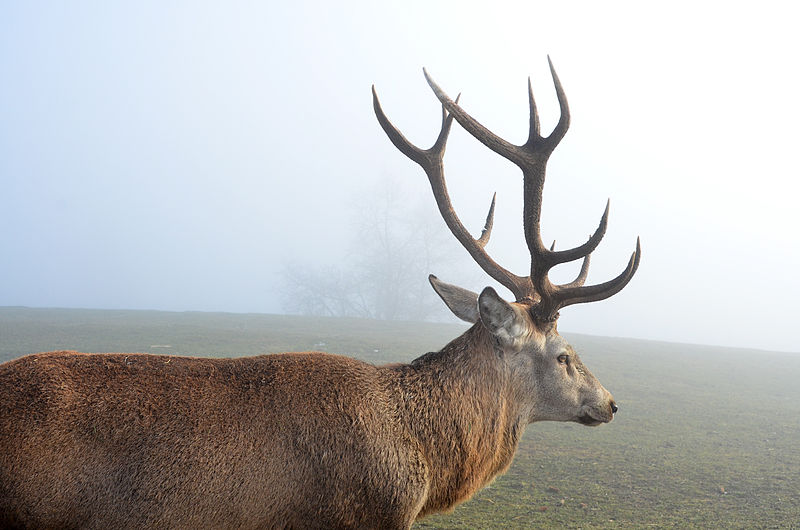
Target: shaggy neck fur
[{"x": 459, "y": 404}]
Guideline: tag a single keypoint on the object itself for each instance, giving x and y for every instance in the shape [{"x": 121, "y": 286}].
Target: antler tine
[
  {"x": 569, "y": 294},
  {"x": 553, "y": 258},
  {"x": 431, "y": 162},
  {"x": 418, "y": 155},
  {"x": 500, "y": 146},
  {"x": 581, "y": 278},
  {"x": 584, "y": 272},
  {"x": 533, "y": 133},
  {"x": 563, "y": 121},
  {"x": 486, "y": 233}
]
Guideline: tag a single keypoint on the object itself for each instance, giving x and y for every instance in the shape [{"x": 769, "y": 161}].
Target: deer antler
[{"x": 531, "y": 157}]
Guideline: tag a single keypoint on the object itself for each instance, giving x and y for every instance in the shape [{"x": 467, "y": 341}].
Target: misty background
[{"x": 225, "y": 157}]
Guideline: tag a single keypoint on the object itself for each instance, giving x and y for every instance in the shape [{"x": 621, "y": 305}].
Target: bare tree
[{"x": 397, "y": 242}]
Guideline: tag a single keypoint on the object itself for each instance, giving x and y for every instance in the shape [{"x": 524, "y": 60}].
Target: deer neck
[{"x": 460, "y": 407}]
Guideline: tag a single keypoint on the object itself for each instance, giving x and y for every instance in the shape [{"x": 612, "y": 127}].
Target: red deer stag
[{"x": 310, "y": 440}]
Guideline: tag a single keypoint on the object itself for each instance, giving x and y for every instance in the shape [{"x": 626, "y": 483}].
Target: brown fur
[{"x": 296, "y": 440}]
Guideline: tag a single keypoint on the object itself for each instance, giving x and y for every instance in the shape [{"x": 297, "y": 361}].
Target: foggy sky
[{"x": 176, "y": 155}]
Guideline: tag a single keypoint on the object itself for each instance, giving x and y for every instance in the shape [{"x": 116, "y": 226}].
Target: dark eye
[{"x": 563, "y": 358}]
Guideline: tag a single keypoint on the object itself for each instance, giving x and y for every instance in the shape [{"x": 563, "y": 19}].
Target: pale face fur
[
  {"x": 559, "y": 384},
  {"x": 551, "y": 379}
]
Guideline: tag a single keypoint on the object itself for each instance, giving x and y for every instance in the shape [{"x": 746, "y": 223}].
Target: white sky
[{"x": 173, "y": 155}]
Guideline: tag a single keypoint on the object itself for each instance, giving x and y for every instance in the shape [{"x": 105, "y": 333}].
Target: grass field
[{"x": 706, "y": 437}]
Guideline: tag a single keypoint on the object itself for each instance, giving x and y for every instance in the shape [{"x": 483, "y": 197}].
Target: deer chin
[
  {"x": 591, "y": 418},
  {"x": 585, "y": 419}
]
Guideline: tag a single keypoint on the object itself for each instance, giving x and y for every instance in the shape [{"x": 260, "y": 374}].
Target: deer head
[{"x": 557, "y": 385}]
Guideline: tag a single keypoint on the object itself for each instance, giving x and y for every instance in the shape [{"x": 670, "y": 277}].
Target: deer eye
[{"x": 563, "y": 358}]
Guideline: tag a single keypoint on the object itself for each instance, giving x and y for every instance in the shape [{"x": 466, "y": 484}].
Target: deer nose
[{"x": 614, "y": 407}]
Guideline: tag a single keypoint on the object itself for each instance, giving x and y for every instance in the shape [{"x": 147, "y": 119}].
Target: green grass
[{"x": 705, "y": 437}]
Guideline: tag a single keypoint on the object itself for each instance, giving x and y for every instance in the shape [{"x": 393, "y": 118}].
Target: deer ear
[
  {"x": 499, "y": 317},
  {"x": 462, "y": 302}
]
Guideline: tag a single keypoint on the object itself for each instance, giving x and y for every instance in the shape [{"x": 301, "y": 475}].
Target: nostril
[{"x": 614, "y": 408}]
